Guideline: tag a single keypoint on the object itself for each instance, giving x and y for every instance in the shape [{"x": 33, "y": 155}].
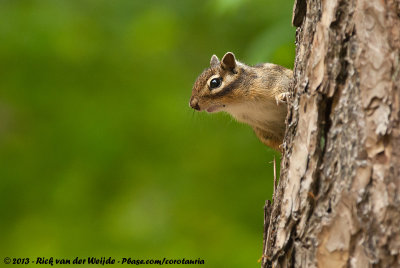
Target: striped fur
[{"x": 248, "y": 93}]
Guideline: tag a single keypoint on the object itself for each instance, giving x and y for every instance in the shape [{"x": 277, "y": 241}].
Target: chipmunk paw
[{"x": 282, "y": 98}]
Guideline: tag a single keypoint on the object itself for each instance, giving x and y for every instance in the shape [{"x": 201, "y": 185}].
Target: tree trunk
[{"x": 338, "y": 199}]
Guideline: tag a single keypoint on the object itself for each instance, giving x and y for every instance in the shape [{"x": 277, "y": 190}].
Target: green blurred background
[{"x": 100, "y": 154}]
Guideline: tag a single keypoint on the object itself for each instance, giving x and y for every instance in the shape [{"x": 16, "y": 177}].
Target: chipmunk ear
[
  {"x": 228, "y": 61},
  {"x": 214, "y": 61}
]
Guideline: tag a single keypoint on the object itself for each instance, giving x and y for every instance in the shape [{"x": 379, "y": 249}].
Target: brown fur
[{"x": 248, "y": 93}]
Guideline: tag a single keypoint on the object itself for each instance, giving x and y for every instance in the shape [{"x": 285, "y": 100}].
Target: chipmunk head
[{"x": 216, "y": 88}]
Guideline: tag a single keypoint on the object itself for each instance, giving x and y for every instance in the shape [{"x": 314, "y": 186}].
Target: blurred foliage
[{"x": 100, "y": 154}]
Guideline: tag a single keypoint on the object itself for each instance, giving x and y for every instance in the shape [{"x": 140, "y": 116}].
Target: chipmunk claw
[
  {"x": 282, "y": 98},
  {"x": 281, "y": 147}
]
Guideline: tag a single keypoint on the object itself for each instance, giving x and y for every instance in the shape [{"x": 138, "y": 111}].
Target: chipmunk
[{"x": 255, "y": 95}]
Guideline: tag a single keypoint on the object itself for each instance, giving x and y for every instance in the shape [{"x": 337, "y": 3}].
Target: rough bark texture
[{"x": 338, "y": 199}]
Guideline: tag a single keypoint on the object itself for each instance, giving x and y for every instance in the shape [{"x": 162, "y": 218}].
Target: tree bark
[{"x": 338, "y": 199}]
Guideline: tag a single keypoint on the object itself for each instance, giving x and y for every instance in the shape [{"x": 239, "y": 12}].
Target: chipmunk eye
[{"x": 215, "y": 82}]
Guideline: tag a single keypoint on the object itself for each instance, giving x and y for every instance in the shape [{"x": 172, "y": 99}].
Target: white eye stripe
[{"x": 216, "y": 89}]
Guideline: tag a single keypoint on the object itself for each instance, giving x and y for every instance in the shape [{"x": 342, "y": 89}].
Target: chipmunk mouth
[{"x": 215, "y": 108}]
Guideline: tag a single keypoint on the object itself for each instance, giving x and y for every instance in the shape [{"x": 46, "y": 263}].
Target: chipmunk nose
[{"x": 194, "y": 103}]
